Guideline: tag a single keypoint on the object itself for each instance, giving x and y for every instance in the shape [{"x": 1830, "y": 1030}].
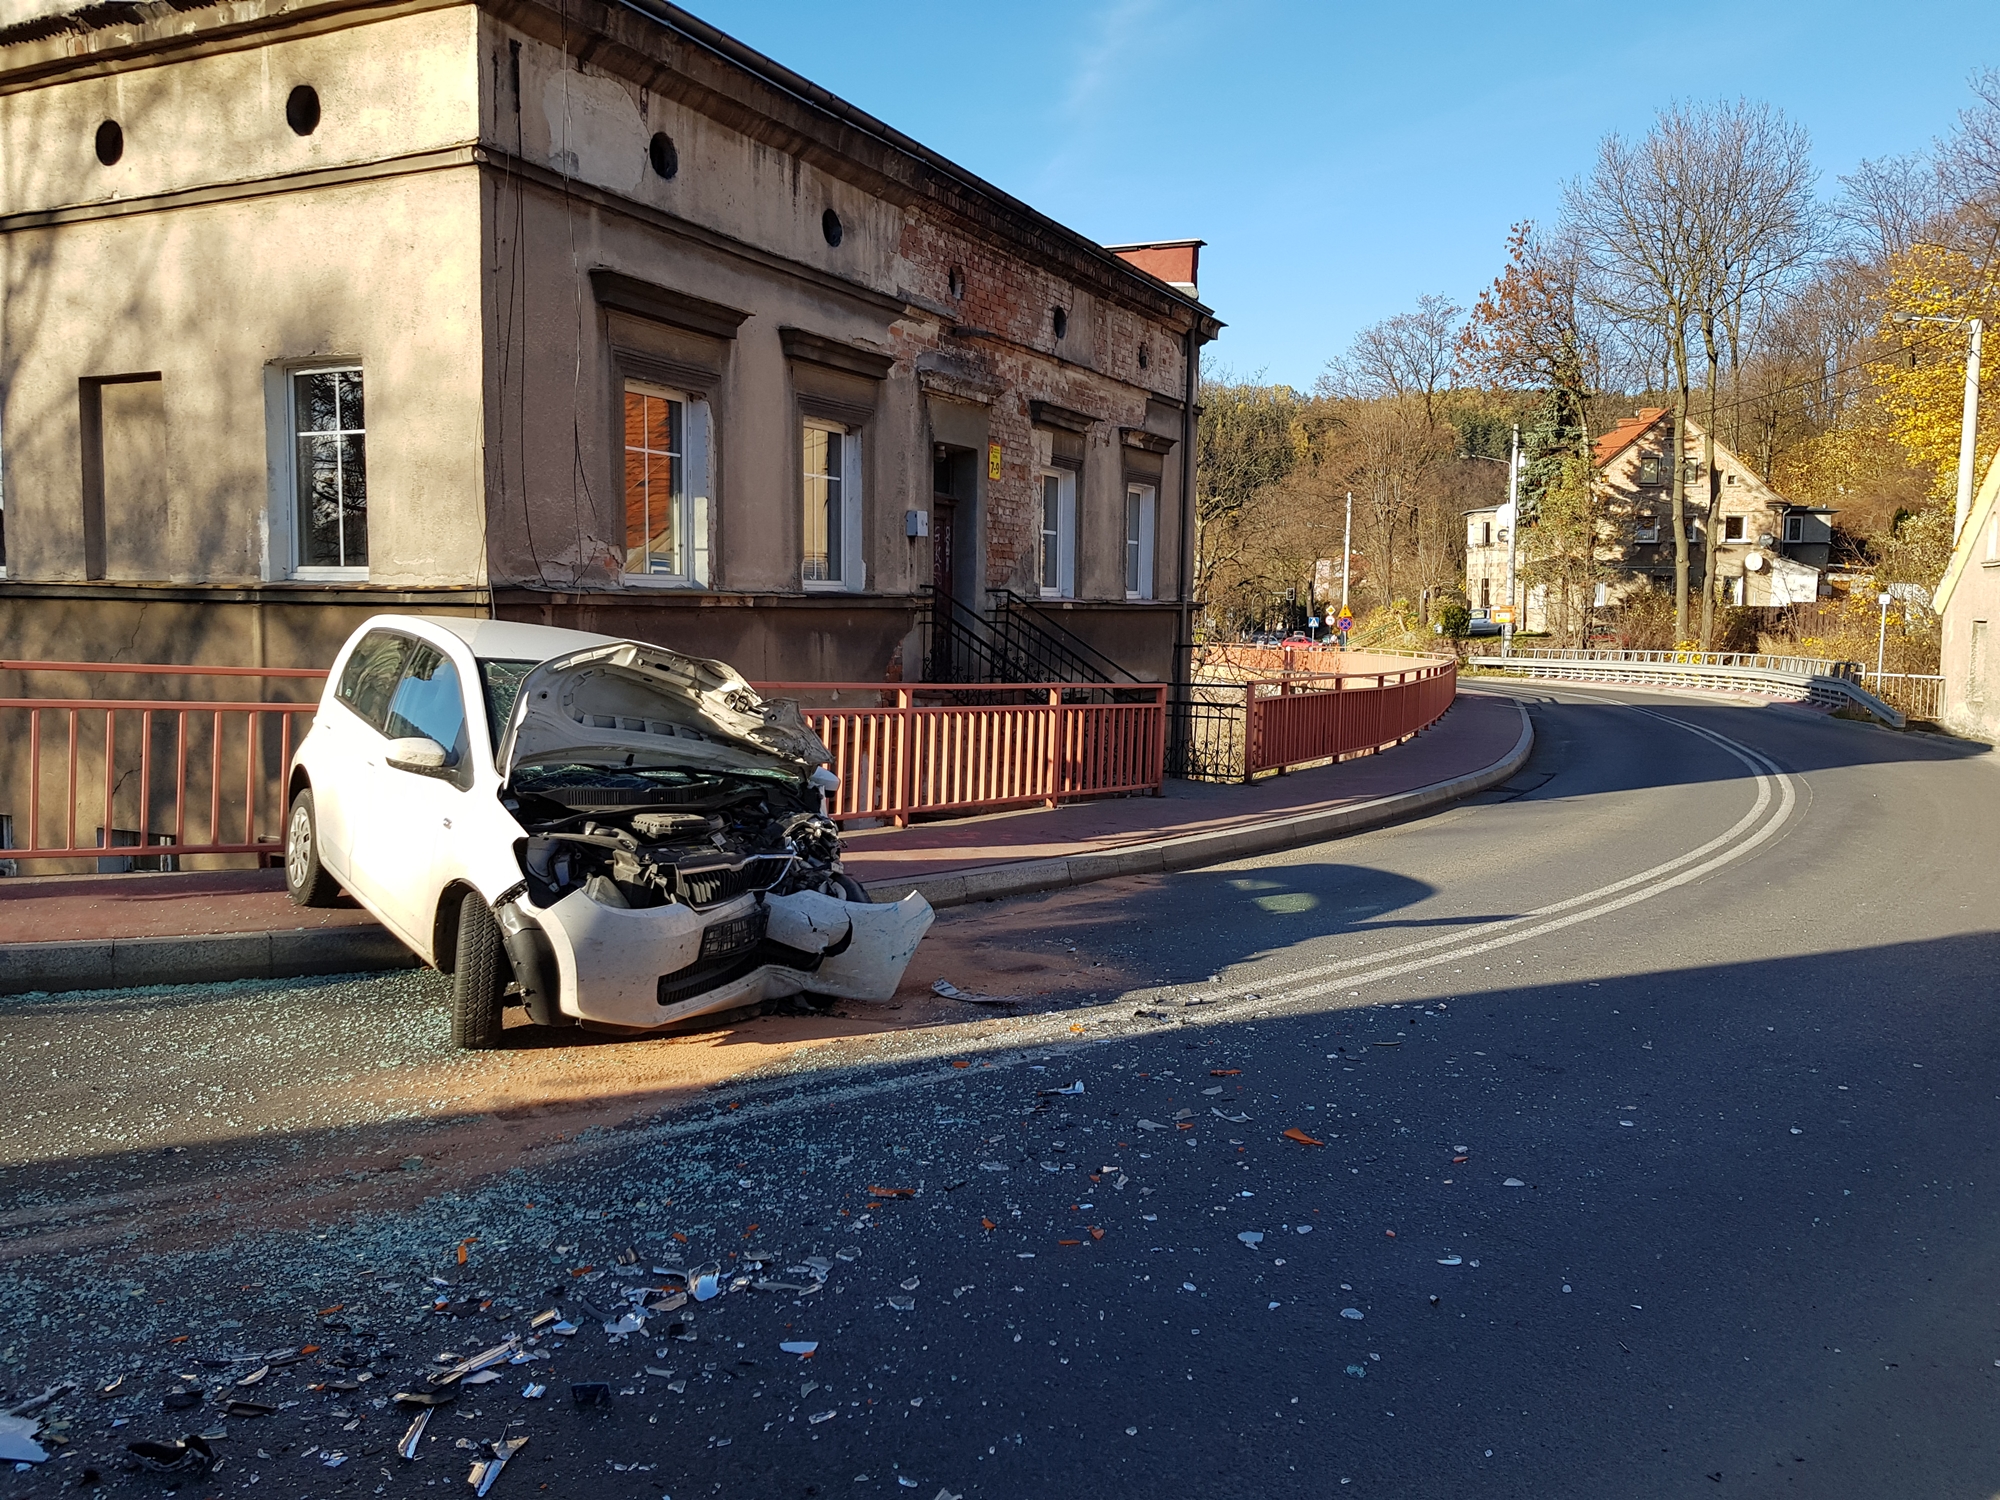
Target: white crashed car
[{"x": 603, "y": 832}]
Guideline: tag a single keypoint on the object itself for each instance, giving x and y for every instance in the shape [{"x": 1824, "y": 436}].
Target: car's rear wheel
[
  {"x": 306, "y": 879},
  {"x": 478, "y": 979}
]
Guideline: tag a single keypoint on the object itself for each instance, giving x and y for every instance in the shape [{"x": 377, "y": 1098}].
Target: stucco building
[
  {"x": 1769, "y": 552},
  {"x": 1968, "y": 600},
  {"x": 580, "y": 313}
]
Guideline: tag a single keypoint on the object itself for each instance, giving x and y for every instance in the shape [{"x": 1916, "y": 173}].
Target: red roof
[{"x": 1627, "y": 432}]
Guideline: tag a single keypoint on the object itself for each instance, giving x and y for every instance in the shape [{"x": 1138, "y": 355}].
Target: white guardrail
[{"x": 1687, "y": 669}]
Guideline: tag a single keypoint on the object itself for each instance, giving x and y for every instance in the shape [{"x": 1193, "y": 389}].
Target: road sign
[
  {"x": 1312, "y": 622},
  {"x": 1501, "y": 616}
]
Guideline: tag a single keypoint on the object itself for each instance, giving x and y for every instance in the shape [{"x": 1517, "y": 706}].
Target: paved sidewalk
[{"x": 97, "y": 931}]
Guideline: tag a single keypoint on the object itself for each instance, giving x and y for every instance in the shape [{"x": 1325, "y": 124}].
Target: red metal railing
[
  {"x": 167, "y": 766},
  {"x": 1299, "y": 719},
  {"x": 930, "y": 747},
  {"x": 158, "y": 776}
]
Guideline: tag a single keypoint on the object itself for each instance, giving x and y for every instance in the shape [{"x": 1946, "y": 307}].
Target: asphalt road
[{"x": 1647, "y": 1110}]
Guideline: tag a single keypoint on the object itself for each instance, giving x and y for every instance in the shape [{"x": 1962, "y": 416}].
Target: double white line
[{"x": 1749, "y": 832}]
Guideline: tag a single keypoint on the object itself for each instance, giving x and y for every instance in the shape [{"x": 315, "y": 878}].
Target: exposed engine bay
[{"x": 659, "y": 836}]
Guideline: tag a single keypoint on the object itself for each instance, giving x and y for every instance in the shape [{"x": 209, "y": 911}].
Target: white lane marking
[
  {"x": 1649, "y": 883},
  {"x": 1464, "y": 934}
]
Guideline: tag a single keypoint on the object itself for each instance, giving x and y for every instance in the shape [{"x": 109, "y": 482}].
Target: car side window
[
  {"x": 428, "y": 702},
  {"x": 369, "y": 678}
]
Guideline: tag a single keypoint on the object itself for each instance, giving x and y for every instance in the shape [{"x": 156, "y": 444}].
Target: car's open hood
[{"x": 627, "y": 705}]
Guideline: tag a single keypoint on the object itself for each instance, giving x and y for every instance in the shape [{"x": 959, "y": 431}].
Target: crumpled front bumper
[{"x": 648, "y": 967}]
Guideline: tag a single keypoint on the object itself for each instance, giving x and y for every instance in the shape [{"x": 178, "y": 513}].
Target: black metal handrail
[{"x": 1079, "y": 657}]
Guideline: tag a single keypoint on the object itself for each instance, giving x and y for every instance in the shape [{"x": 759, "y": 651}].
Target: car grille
[
  {"x": 705, "y": 884},
  {"x": 726, "y": 938}
]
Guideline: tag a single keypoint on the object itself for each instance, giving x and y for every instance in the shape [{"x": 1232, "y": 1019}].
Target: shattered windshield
[{"x": 501, "y": 681}]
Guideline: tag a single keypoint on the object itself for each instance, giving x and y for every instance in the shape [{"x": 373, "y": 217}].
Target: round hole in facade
[
  {"x": 829, "y": 225},
  {"x": 110, "y": 142},
  {"x": 302, "y": 109},
  {"x": 661, "y": 153},
  {"x": 1061, "y": 321}
]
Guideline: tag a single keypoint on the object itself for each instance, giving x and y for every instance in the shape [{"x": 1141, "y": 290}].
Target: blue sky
[{"x": 1343, "y": 160}]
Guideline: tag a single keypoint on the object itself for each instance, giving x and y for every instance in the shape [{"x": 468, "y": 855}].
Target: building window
[
  {"x": 1732, "y": 528},
  {"x": 331, "y": 438},
  {"x": 666, "y": 506},
  {"x": 1485, "y": 593},
  {"x": 1649, "y": 468},
  {"x": 1141, "y": 509},
  {"x": 1646, "y": 531},
  {"x": 832, "y": 511},
  {"x": 1056, "y": 554},
  {"x": 1795, "y": 528}
]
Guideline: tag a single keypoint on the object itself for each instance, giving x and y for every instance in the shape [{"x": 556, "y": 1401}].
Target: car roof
[{"x": 512, "y": 640}]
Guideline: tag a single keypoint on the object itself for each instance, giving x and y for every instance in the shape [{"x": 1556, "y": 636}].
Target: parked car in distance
[
  {"x": 1482, "y": 624},
  {"x": 1297, "y": 638},
  {"x": 604, "y": 832}
]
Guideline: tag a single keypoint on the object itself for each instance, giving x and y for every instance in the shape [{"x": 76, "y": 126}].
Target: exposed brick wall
[{"x": 1006, "y": 305}]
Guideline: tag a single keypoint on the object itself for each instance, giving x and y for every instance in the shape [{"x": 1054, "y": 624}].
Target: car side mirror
[{"x": 419, "y": 755}]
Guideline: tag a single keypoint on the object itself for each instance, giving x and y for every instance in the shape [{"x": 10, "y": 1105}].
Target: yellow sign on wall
[{"x": 992, "y": 460}]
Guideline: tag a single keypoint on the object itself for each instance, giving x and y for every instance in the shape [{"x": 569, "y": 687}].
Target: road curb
[
  {"x": 120, "y": 963},
  {"x": 992, "y": 882}
]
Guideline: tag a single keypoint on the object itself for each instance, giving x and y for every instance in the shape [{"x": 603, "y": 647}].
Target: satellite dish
[{"x": 1754, "y": 562}]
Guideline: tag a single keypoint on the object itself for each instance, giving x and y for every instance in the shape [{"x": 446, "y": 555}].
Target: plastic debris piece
[
  {"x": 804, "y": 1348},
  {"x": 1351, "y": 1312},
  {"x": 425, "y": 1398},
  {"x": 1513, "y": 1182},
  {"x": 487, "y": 1470},
  {"x": 1074, "y": 1088},
  {"x": 672, "y": 1302},
  {"x": 333, "y": 1458},
  {"x": 407, "y": 1448},
  {"x": 590, "y": 1393},
  {"x": 542, "y": 1320},
  {"x": 908, "y": 1304},
  {"x": 882, "y": 1192},
  {"x": 951, "y": 991},
  {"x": 1293, "y": 1133},
  {"x": 190, "y": 1456},
  {"x": 17, "y": 1441},
  {"x": 987, "y": 1224},
  {"x": 1359, "y": 1372},
  {"x": 1232, "y": 1119},
  {"x": 1096, "y": 1233},
  {"x": 820, "y": 1416},
  {"x": 246, "y": 1411},
  {"x": 1223, "y": 1072},
  {"x": 1252, "y": 1237},
  {"x": 1305, "y": 1229},
  {"x": 630, "y": 1323},
  {"x": 483, "y": 1377},
  {"x": 961, "y": 1062},
  {"x": 912, "y": 1284},
  {"x": 1211, "y": 1093},
  {"x": 498, "y": 1354},
  {"x": 565, "y": 1328},
  {"x": 1451, "y": 1260},
  {"x": 255, "y": 1375},
  {"x": 1151, "y": 1125},
  {"x": 706, "y": 1287},
  {"x": 534, "y": 1390}
]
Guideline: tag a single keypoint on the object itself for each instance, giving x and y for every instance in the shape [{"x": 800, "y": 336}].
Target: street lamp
[{"x": 1969, "y": 428}]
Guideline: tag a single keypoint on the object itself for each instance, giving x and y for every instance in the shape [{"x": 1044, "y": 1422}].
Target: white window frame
[
  {"x": 1065, "y": 535},
  {"x": 696, "y": 521},
  {"x": 1142, "y": 511},
  {"x": 853, "y": 568},
  {"x": 1742, "y": 525},
  {"x": 294, "y": 500}
]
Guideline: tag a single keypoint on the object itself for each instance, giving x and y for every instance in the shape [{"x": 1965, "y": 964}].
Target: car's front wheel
[
  {"x": 306, "y": 879},
  {"x": 478, "y": 978}
]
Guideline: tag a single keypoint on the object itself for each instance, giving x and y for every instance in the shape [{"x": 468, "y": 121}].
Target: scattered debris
[
  {"x": 407, "y": 1448},
  {"x": 487, "y": 1470},
  {"x": 590, "y": 1393},
  {"x": 908, "y": 1304},
  {"x": 951, "y": 991},
  {"x": 1074, "y": 1088},
  {"x": 1451, "y": 1260},
  {"x": 1252, "y": 1237},
  {"x": 804, "y": 1348},
  {"x": 190, "y": 1456},
  {"x": 885, "y": 1192},
  {"x": 1232, "y": 1119},
  {"x": 534, "y": 1390},
  {"x": 1351, "y": 1312},
  {"x": 820, "y": 1416},
  {"x": 17, "y": 1441},
  {"x": 1513, "y": 1182},
  {"x": 1293, "y": 1133}
]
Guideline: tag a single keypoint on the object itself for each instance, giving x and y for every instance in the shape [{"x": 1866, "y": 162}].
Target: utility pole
[
  {"x": 1881, "y": 639},
  {"x": 1968, "y": 432},
  {"x": 1346, "y": 548},
  {"x": 1513, "y": 530}
]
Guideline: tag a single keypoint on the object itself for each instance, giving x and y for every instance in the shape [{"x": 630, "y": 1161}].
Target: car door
[
  {"x": 398, "y": 837},
  {"x": 349, "y": 756}
]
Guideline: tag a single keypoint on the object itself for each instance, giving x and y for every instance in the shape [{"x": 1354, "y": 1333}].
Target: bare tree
[{"x": 1681, "y": 237}]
